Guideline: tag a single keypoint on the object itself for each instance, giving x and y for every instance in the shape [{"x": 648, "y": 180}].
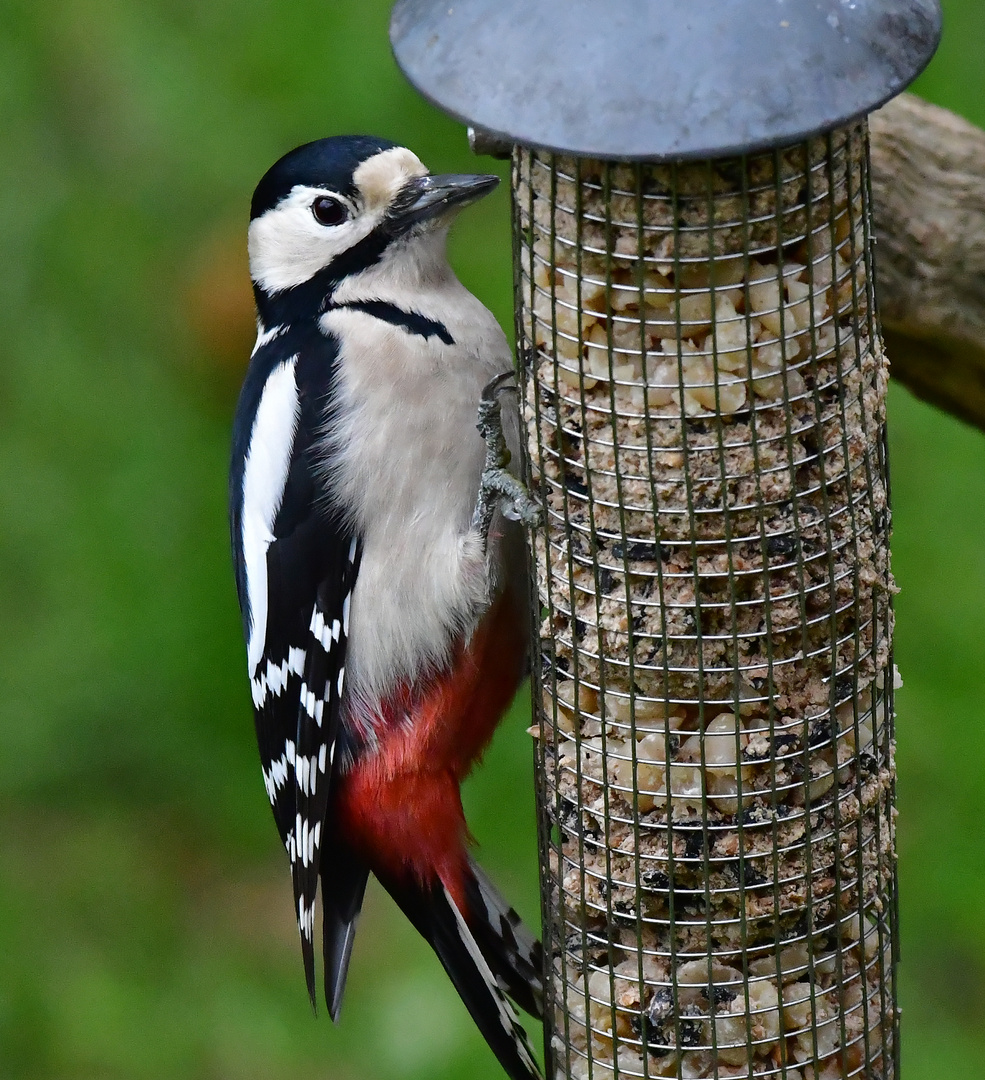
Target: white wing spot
[
  {"x": 274, "y": 679},
  {"x": 306, "y": 918},
  {"x": 306, "y": 774},
  {"x": 265, "y": 336},
  {"x": 311, "y": 704},
  {"x": 259, "y": 690},
  {"x": 303, "y": 842},
  {"x": 321, "y": 631},
  {"x": 275, "y": 777}
]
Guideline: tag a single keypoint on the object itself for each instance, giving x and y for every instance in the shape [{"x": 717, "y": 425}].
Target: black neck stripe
[{"x": 411, "y": 321}]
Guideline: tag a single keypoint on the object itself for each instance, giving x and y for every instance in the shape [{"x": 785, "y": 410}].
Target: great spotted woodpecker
[{"x": 379, "y": 566}]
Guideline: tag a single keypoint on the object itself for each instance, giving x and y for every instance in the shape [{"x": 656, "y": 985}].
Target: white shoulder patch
[{"x": 268, "y": 459}]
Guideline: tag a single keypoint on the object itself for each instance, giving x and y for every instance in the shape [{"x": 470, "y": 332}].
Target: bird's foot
[{"x": 498, "y": 487}]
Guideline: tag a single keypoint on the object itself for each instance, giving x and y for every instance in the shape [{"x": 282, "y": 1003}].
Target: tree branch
[{"x": 928, "y": 187}]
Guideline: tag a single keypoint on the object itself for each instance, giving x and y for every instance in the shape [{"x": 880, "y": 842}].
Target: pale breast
[{"x": 408, "y": 459}]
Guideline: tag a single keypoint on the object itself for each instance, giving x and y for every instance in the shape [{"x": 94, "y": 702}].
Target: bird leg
[{"x": 497, "y": 486}]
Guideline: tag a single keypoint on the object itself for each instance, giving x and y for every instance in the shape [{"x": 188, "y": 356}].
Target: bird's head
[{"x": 335, "y": 208}]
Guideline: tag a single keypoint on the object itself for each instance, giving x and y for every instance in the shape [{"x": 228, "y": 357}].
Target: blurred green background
[{"x": 145, "y": 916}]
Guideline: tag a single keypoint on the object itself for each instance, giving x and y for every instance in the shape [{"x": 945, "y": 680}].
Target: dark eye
[{"x": 329, "y": 211}]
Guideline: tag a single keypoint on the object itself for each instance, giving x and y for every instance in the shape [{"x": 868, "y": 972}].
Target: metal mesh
[{"x": 704, "y": 392}]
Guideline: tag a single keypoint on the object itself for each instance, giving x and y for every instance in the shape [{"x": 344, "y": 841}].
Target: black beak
[{"x": 427, "y": 197}]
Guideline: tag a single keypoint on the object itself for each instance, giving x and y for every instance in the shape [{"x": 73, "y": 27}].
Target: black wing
[{"x": 309, "y": 569}]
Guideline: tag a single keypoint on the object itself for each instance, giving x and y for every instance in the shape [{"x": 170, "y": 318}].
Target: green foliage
[{"x": 144, "y": 902}]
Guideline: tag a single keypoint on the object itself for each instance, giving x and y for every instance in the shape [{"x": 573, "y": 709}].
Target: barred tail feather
[
  {"x": 514, "y": 954},
  {"x": 439, "y": 921}
]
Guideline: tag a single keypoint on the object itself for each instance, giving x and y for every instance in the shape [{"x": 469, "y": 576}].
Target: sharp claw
[
  {"x": 519, "y": 506},
  {"x": 498, "y": 487},
  {"x": 494, "y": 386},
  {"x": 489, "y": 425}
]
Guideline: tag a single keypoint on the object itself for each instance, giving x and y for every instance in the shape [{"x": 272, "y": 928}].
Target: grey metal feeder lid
[{"x": 661, "y": 79}]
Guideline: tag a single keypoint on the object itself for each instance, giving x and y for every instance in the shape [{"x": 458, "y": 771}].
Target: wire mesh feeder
[{"x": 704, "y": 391}]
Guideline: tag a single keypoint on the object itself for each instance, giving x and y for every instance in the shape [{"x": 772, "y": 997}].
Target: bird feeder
[{"x": 704, "y": 390}]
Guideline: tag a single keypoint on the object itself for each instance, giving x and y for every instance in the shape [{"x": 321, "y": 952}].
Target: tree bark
[{"x": 928, "y": 188}]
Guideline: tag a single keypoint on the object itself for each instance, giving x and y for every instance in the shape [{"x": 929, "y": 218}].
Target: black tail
[
  {"x": 478, "y": 975},
  {"x": 343, "y": 879}
]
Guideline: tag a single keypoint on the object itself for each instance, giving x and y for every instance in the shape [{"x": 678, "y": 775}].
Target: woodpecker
[{"x": 379, "y": 561}]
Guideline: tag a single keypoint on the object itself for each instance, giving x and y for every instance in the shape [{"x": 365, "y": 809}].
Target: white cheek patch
[
  {"x": 288, "y": 246},
  {"x": 379, "y": 178}
]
